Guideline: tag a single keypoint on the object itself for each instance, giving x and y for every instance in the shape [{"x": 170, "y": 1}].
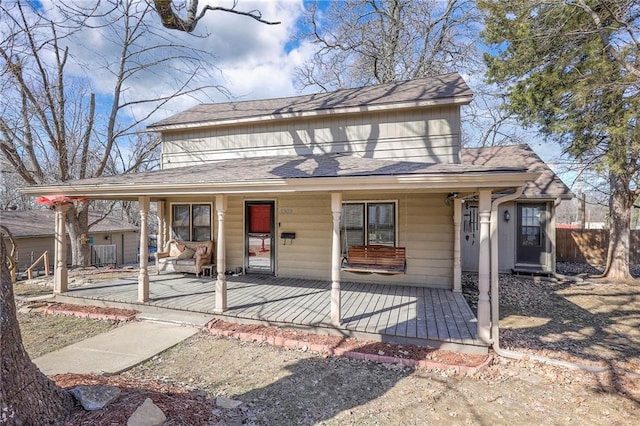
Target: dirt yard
[{"x": 592, "y": 323}]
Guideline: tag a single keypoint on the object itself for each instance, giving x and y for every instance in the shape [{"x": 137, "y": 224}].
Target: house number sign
[{"x": 286, "y": 211}]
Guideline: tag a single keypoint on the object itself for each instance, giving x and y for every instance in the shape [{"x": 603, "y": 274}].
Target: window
[
  {"x": 191, "y": 222},
  {"x": 368, "y": 223},
  {"x": 531, "y": 228}
]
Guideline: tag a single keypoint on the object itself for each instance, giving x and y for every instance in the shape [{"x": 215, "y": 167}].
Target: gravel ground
[{"x": 590, "y": 323}]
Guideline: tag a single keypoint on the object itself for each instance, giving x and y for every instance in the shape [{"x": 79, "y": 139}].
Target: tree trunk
[
  {"x": 27, "y": 397},
  {"x": 620, "y": 203},
  {"x": 78, "y": 228}
]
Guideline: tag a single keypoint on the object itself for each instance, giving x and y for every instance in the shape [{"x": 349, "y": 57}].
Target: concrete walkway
[{"x": 116, "y": 350}]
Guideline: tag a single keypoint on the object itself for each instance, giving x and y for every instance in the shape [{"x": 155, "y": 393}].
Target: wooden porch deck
[{"x": 390, "y": 313}]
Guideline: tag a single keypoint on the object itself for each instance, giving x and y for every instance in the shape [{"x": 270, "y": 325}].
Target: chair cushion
[{"x": 188, "y": 253}]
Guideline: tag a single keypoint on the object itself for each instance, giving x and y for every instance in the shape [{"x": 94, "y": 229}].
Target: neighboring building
[
  {"x": 113, "y": 241},
  {"x": 285, "y": 186}
]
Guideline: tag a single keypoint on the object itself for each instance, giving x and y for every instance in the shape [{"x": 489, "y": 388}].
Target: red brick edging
[
  {"x": 330, "y": 350},
  {"x": 90, "y": 315}
]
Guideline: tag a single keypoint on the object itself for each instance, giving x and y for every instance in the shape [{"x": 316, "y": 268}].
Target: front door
[
  {"x": 259, "y": 237},
  {"x": 532, "y": 244}
]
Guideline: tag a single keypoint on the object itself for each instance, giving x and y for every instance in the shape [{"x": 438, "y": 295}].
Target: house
[
  {"x": 112, "y": 241},
  {"x": 286, "y": 187}
]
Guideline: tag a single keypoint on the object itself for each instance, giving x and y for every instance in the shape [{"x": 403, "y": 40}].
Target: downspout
[{"x": 495, "y": 299}]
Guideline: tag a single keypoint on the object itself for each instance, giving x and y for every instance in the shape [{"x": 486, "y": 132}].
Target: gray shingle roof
[
  {"x": 423, "y": 89},
  {"x": 501, "y": 159},
  {"x": 290, "y": 167},
  {"x": 37, "y": 223},
  {"x": 548, "y": 185}
]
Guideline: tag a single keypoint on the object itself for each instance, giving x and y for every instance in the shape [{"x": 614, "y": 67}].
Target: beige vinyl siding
[
  {"x": 424, "y": 226},
  {"x": 309, "y": 255},
  {"x": 427, "y": 135},
  {"x": 234, "y": 232}
]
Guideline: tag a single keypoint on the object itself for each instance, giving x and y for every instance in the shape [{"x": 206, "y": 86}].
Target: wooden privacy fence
[{"x": 590, "y": 245}]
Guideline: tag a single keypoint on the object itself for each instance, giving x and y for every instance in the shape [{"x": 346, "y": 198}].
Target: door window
[{"x": 530, "y": 230}]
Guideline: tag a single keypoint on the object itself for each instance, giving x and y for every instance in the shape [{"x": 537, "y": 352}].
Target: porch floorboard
[{"x": 389, "y": 312}]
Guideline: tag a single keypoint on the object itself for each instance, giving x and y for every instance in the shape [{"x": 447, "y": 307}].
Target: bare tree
[
  {"x": 52, "y": 128},
  {"x": 362, "y": 42}
]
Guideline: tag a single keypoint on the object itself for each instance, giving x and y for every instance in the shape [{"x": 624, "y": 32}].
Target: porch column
[
  {"x": 336, "y": 308},
  {"x": 457, "y": 264},
  {"x": 484, "y": 267},
  {"x": 160, "y": 206},
  {"x": 221, "y": 262},
  {"x": 60, "y": 283},
  {"x": 143, "y": 276}
]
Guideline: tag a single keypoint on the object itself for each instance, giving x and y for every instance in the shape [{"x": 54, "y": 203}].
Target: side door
[{"x": 531, "y": 234}]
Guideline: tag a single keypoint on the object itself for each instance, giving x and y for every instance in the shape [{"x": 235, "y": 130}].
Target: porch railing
[{"x": 43, "y": 257}]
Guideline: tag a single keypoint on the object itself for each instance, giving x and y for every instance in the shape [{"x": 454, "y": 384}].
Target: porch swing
[{"x": 374, "y": 258}]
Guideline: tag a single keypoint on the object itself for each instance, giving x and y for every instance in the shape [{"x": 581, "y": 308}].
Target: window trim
[
  {"x": 366, "y": 203},
  {"x": 191, "y": 204}
]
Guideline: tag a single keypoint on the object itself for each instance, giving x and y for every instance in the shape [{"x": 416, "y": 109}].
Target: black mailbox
[{"x": 288, "y": 235}]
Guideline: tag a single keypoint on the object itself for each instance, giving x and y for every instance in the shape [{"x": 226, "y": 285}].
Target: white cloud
[{"x": 248, "y": 58}]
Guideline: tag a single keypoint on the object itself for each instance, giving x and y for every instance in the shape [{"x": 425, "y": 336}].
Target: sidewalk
[{"x": 115, "y": 351}]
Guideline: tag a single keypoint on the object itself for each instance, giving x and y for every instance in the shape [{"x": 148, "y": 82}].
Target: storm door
[
  {"x": 531, "y": 234},
  {"x": 259, "y": 237}
]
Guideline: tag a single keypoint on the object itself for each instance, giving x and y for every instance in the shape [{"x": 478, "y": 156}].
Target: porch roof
[
  {"x": 331, "y": 172},
  {"x": 547, "y": 186}
]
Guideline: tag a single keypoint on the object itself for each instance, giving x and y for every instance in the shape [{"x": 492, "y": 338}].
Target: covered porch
[
  {"x": 389, "y": 313},
  {"x": 307, "y": 196}
]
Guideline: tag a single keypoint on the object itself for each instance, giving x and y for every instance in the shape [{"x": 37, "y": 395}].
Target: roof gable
[
  {"x": 437, "y": 89},
  {"x": 548, "y": 185}
]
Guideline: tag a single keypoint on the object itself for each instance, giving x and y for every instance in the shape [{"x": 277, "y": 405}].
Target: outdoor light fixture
[{"x": 507, "y": 215}]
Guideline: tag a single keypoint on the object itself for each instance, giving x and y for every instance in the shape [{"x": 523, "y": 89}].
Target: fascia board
[{"x": 468, "y": 181}]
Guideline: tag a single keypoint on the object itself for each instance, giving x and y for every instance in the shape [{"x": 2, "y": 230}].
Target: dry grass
[{"x": 46, "y": 333}]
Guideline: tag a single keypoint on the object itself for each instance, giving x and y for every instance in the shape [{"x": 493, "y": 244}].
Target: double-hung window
[
  {"x": 191, "y": 222},
  {"x": 366, "y": 223}
]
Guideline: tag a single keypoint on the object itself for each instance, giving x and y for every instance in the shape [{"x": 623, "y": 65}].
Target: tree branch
[{"x": 170, "y": 19}]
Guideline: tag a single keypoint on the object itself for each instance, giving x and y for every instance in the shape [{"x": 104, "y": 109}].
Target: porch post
[
  {"x": 221, "y": 262},
  {"x": 160, "y": 206},
  {"x": 457, "y": 265},
  {"x": 484, "y": 260},
  {"x": 143, "y": 276},
  {"x": 60, "y": 283},
  {"x": 336, "y": 308}
]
